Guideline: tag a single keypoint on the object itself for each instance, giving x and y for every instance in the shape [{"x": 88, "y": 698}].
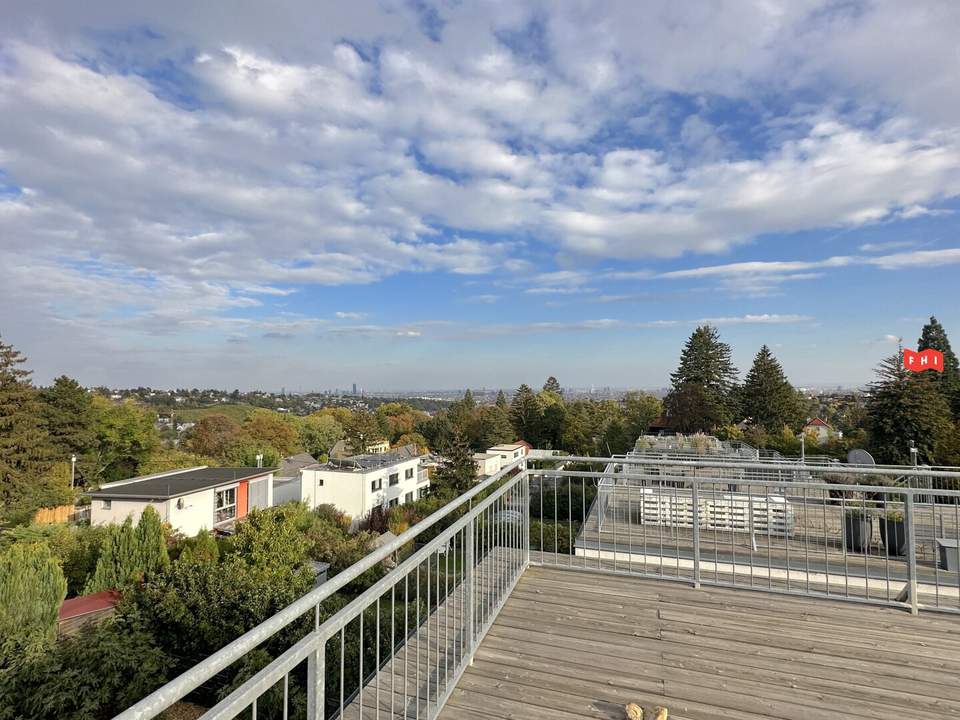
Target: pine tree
[
  {"x": 905, "y": 407},
  {"x": 933, "y": 336},
  {"x": 493, "y": 427},
  {"x": 151, "y": 542},
  {"x": 703, "y": 385},
  {"x": 69, "y": 418},
  {"x": 501, "y": 401},
  {"x": 32, "y": 588},
  {"x": 25, "y": 452},
  {"x": 526, "y": 415},
  {"x": 456, "y": 473},
  {"x": 768, "y": 398},
  {"x": 553, "y": 386},
  {"x": 468, "y": 402},
  {"x": 128, "y": 554}
]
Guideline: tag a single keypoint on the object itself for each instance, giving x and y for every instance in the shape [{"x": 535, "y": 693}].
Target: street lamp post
[
  {"x": 73, "y": 470},
  {"x": 259, "y": 459}
]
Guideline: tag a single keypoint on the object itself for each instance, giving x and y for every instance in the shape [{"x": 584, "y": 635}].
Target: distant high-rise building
[{"x": 354, "y": 388}]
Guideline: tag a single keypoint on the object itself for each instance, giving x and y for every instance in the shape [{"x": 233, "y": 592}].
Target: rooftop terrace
[{"x": 713, "y": 588}]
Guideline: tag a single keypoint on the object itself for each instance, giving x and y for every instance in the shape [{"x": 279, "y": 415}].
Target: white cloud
[{"x": 349, "y": 315}]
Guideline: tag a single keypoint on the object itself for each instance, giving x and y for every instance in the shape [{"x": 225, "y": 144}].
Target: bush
[
  {"x": 556, "y": 536},
  {"x": 32, "y": 588},
  {"x": 90, "y": 676}
]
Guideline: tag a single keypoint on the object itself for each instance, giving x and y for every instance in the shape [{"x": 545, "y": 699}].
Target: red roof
[
  {"x": 84, "y": 604},
  {"x": 817, "y": 422},
  {"x": 527, "y": 445}
]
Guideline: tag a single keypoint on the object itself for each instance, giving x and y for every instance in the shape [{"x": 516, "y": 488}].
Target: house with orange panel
[{"x": 199, "y": 498}]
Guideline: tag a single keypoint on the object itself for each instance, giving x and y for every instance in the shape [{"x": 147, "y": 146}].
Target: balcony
[{"x": 716, "y": 588}]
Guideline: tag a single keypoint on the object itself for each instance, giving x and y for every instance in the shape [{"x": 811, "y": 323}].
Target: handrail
[
  {"x": 755, "y": 465},
  {"x": 191, "y": 679}
]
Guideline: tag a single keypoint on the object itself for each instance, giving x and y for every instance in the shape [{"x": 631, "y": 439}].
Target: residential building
[
  {"x": 820, "y": 430},
  {"x": 510, "y": 452},
  {"x": 358, "y": 484},
  {"x": 286, "y": 483},
  {"x": 377, "y": 447},
  {"x": 487, "y": 463},
  {"x": 199, "y": 498}
]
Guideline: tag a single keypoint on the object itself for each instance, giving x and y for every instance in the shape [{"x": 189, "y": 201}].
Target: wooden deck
[{"x": 572, "y": 644}]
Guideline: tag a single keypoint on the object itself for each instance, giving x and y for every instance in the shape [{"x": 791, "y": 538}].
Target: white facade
[
  {"x": 188, "y": 512},
  {"x": 358, "y": 490},
  {"x": 509, "y": 452},
  {"x": 487, "y": 463}
]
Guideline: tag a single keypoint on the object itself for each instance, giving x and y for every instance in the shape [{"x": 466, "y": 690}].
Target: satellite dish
[{"x": 860, "y": 457}]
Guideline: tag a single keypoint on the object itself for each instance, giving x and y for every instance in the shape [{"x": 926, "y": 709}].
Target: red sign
[{"x": 924, "y": 360}]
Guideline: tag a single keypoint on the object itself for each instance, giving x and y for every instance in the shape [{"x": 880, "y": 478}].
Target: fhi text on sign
[{"x": 923, "y": 360}]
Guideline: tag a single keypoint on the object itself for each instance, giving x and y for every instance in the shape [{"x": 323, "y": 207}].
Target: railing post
[
  {"x": 525, "y": 499},
  {"x": 910, "y": 521},
  {"x": 316, "y": 681},
  {"x": 695, "y": 507},
  {"x": 470, "y": 574}
]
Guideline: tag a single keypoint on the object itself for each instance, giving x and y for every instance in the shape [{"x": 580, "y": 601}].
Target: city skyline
[{"x": 416, "y": 195}]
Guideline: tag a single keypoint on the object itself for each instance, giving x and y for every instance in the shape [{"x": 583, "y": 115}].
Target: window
[
  {"x": 107, "y": 504},
  {"x": 224, "y": 505},
  {"x": 394, "y": 478},
  {"x": 376, "y": 484},
  {"x": 408, "y": 474},
  {"x": 393, "y": 503},
  {"x": 319, "y": 482},
  {"x": 408, "y": 498}
]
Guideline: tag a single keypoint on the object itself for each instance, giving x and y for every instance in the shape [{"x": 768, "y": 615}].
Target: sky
[{"x": 413, "y": 195}]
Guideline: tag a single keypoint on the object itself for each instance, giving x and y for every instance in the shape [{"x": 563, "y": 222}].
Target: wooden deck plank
[{"x": 579, "y": 645}]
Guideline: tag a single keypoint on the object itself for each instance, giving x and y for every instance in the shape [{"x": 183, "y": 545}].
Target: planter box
[
  {"x": 948, "y": 554},
  {"x": 856, "y": 533},
  {"x": 893, "y": 533}
]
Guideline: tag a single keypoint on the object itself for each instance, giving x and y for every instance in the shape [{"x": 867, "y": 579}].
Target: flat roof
[
  {"x": 485, "y": 456},
  {"x": 364, "y": 463},
  {"x": 175, "y": 484},
  {"x": 508, "y": 446}
]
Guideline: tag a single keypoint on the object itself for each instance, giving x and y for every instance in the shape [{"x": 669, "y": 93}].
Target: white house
[
  {"x": 358, "y": 484},
  {"x": 509, "y": 452},
  {"x": 190, "y": 500},
  {"x": 487, "y": 463},
  {"x": 821, "y": 430}
]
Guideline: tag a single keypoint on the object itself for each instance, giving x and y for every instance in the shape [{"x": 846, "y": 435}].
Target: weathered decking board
[{"x": 571, "y": 645}]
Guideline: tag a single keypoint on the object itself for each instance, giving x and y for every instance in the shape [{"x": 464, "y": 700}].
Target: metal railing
[{"x": 399, "y": 647}]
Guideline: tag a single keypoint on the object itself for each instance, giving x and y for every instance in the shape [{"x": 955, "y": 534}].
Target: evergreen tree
[
  {"x": 129, "y": 554},
  {"x": 526, "y": 415},
  {"x": 905, "y": 407},
  {"x": 933, "y": 336},
  {"x": 553, "y": 386},
  {"x": 702, "y": 394},
  {"x": 456, "y": 473},
  {"x": 69, "y": 419},
  {"x": 501, "y": 401},
  {"x": 493, "y": 427},
  {"x": 767, "y": 397},
  {"x": 25, "y": 452},
  {"x": 32, "y": 588},
  {"x": 468, "y": 402}
]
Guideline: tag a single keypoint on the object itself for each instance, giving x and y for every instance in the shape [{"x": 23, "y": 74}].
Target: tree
[
  {"x": 69, "y": 418},
  {"x": 164, "y": 459},
  {"x": 767, "y": 397},
  {"x": 413, "y": 438},
  {"x": 319, "y": 433},
  {"x": 106, "y": 667},
  {"x": 125, "y": 437},
  {"x": 639, "y": 410},
  {"x": 933, "y": 336},
  {"x": 361, "y": 430},
  {"x": 492, "y": 427},
  {"x": 552, "y": 418},
  {"x": 32, "y": 588},
  {"x": 213, "y": 436},
  {"x": 456, "y": 473},
  {"x": 552, "y": 386},
  {"x": 526, "y": 415},
  {"x": 129, "y": 554},
  {"x": 272, "y": 430},
  {"x": 468, "y": 402},
  {"x": 26, "y": 454},
  {"x": 501, "y": 401},
  {"x": 702, "y": 393},
  {"x": 905, "y": 407},
  {"x": 270, "y": 538}
]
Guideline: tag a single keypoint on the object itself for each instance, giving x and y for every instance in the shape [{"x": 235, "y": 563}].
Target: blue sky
[{"x": 425, "y": 195}]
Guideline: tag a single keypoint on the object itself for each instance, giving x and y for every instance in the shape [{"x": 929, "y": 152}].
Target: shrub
[
  {"x": 32, "y": 588},
  {"x": 555, "y": 536}
]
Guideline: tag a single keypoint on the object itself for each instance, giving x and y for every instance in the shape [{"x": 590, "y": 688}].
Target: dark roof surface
[
  {"x": 290, "y": 466},
  {"x": 179, "y": 483}
]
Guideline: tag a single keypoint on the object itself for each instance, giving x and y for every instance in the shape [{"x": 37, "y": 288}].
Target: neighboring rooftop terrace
[{"x": 708, "y": 591}]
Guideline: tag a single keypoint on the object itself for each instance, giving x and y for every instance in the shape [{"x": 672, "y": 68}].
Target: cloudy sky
[{"x": 423, "y": 195}]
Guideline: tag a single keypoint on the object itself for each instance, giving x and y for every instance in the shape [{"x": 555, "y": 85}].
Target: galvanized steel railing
[{"x": 398, "y": 649}]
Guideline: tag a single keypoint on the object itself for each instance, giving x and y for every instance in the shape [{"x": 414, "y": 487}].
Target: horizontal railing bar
[
  {"x": 265, "y": 679},
  {"x": 752, "y": 464},
  {"x": 186, "y": 682},
  {"x": 798, "y": 484}
]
